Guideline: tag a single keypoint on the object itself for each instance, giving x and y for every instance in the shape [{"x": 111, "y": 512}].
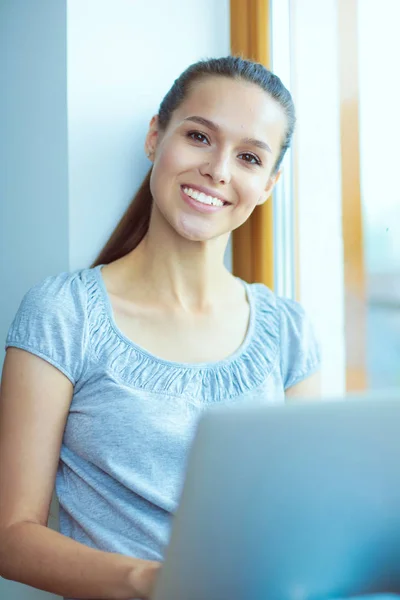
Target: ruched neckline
[{"x": 240, "y": 372}]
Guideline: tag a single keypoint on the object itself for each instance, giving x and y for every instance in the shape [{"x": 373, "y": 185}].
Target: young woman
[{"x": 108, "y": 369}]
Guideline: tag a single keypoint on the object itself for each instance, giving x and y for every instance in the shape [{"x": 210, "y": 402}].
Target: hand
[{"x": 145, "y": 579}]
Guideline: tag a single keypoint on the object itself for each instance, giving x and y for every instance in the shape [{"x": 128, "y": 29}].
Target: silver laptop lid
[{"x": 289, "y": 502}]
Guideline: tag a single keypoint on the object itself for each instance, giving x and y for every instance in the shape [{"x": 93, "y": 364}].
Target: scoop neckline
[{"x": 238, "y": 353}]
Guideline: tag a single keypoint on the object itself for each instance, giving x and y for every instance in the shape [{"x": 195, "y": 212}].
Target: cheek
[
  {"x": 173, "y": 158},
  {"x": 171, "y": 162},
  {"x": 164, "y": 166},
  {"x": 167, "y": 162},
  {"x": 251, "y": 193}
]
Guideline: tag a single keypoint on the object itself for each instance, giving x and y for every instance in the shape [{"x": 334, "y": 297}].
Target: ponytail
[{"x": 132, "y": 227}]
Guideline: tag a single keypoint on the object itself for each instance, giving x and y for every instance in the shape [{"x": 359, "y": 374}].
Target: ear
[
  {"x": 272, "y": 181},
  {"x": 152, "y": 138}
]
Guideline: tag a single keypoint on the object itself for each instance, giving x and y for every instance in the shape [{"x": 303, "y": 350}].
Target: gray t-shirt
[{"x": 133, "y": 415}]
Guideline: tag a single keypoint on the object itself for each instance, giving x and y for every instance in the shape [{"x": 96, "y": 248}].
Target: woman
[{"x": 108, "y": 369}]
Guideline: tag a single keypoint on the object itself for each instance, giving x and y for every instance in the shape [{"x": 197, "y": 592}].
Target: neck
[{"x": 186, "y": 274}]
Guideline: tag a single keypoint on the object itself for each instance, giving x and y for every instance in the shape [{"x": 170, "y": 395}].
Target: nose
[{"x": 218, "y": 168}]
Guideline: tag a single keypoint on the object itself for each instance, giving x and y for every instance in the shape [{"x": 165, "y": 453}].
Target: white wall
[
  {"x": 123, "y": 57},
  {"x": 68, "y": 174},
  {"x": 316, "y": 94}
]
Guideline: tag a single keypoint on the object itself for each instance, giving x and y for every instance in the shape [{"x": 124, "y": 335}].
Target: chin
[
  {"x": 196, "y": 236},
  {"x": 204, "y": 233}
]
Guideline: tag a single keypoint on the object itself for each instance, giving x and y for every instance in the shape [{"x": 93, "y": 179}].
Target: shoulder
[
  {"x": 58, "y": 291},
  {"x": 287, "y": 311},
  {"x": 298, "y": 345},
  {"x": 61, "y": 298},
  {"x": 293, "y": 316},
  {"x": 51, "y": 321}
]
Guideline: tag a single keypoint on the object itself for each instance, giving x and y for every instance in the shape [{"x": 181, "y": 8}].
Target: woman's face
[{"x": 223, "y": 141}]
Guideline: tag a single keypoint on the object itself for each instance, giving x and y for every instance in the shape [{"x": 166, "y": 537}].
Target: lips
[
  {"x": 199, "y": 206},
  {"x": 207, "y": 191}
]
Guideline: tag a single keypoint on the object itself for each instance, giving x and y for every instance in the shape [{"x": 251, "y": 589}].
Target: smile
[
  {"x": 201, "y": 202},
  {"x": 203, "y": 198}
]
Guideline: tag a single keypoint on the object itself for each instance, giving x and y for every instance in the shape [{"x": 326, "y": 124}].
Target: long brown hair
[
  {"x": 134, "y": 224},
  {"x": 132, "y": 227}
]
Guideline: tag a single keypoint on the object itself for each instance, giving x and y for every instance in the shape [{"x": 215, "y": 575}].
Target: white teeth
[{"x": 203, "y": 198}]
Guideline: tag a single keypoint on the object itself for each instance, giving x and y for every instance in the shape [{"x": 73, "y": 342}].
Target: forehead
[{"x": 238, "y": 107}]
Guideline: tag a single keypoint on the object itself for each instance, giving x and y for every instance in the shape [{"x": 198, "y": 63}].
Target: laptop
[{"x": 293, "y": 502}]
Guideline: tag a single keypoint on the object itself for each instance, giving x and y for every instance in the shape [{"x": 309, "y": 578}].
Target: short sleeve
[
  {"x": 51, "y": 323},
  {"x": 300, "y": 351}
]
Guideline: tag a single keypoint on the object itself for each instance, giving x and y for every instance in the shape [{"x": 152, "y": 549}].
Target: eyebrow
[{"x": 215, "y": 127}]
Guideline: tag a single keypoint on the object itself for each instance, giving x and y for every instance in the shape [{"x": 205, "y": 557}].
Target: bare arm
[
  {"x": 34, "y": 404},
  {"x": 309, "y": 388}
]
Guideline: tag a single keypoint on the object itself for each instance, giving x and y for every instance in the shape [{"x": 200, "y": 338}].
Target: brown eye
[
  {"x": 251, "y": 158},
  {"x": 197, "y": 136}
]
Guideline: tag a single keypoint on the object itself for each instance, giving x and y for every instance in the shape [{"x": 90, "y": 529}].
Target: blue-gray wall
[
  {"x": 33, "y": 148},
  {"x": 33, "y": 166}
]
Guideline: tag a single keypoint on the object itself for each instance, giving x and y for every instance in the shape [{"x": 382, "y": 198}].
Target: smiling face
[{"x": 222, "y": 142}]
